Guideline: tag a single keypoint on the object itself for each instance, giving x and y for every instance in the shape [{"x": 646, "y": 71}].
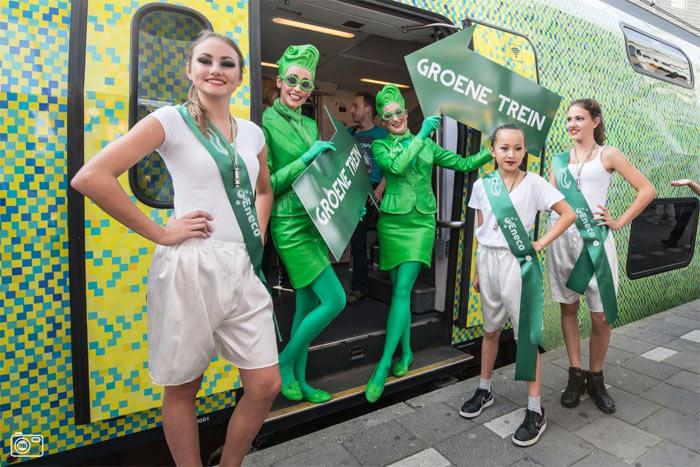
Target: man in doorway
[{"x": 363, "y": 114}]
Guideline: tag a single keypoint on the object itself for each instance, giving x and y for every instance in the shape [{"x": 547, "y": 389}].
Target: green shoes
[
  {"x": 375, "y": 385},
  {"x": 401, "y": 367},
  {"x": 292, "y": 391},
  {"x": 317, "y": 396}
]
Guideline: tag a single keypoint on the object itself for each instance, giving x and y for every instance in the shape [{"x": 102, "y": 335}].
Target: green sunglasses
[
  {"x": 293, "y": 80},
  {"x": 398, "y": 113}
]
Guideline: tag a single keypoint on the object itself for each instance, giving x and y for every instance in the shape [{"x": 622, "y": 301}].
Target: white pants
[
  {"x": 562, "y": 254},
  {"x": 500, "y": 285},
  {"x": 204, "y": 298}
]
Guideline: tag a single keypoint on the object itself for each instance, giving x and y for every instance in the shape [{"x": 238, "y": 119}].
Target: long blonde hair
[{"x": 194, "y": 105}]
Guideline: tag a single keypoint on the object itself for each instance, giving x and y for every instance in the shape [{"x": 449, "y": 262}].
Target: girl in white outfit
[
  {"x": 204, "y": 296},
  {"x": 592, "y": 165},
  {"x": 498, "y": 272}
]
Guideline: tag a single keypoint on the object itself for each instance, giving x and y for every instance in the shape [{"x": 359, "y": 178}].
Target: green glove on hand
[
  {"x": 363, "y": 212},
  {"x": 317, "y": 148},
  {"x": 430, "y": 124}
]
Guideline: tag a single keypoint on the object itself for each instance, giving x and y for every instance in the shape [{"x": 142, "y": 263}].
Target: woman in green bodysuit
[
  {"x": 292, "y": 142},
  {"x": 407, "y": 223}
]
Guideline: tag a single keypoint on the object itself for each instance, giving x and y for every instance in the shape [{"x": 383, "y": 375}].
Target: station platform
[{"x": 653, "y": 373}]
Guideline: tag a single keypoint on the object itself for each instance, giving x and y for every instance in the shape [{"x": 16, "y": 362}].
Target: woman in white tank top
[
  {"x": 204, "y": 296},
  {"x": 590, "y": 167}
]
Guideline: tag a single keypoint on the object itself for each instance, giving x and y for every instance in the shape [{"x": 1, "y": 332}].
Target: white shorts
[
  {"x": 500, "y": 285},
  {"x": 204, "y": 298},
  {"x": 562, "y": 254}
]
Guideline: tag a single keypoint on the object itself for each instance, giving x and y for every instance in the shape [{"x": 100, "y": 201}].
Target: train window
[
  {"x": 160, "y": 38},
  {"x": 653, "y": 57},
  {"x": 663, "y": 237}
]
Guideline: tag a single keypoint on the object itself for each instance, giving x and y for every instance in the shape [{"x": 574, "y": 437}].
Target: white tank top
[{"x": 595, "y": 181}]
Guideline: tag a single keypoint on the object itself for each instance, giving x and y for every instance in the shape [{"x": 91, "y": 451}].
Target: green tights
[
  {"x": 398, "y": 329},
  {"x": 317, "y": 305}
]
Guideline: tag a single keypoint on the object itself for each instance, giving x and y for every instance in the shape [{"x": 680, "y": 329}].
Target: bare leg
[
  {"x": 489, "y": 351},
  {"x": 533, "y": 387},
  {"x": 180, "y": 422},
  {"x": 600, "y": 339},
  {"x": 572, "y": 336},
  {"x": 261, "y": 386}
]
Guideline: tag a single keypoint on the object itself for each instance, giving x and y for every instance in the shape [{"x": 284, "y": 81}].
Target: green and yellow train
[{"x": 77, "y": 74}]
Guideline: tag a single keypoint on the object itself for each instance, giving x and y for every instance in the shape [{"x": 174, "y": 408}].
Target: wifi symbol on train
[{"x": 516, "y": 53}]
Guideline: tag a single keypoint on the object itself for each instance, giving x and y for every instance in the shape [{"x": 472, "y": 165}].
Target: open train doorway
[{"x": 362, "y": 46}]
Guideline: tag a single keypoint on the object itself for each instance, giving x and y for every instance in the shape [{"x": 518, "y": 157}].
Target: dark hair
[
  {"x": 593, "y": 108},
  {"x": 369, "y": 100},
  {"x": 195, "y": 105},
  {"x": 509, "y": 126}
]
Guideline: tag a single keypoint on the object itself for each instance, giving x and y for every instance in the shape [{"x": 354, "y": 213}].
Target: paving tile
[
  {"x": 434, "y": 423},
  {"x": 600, "y": 458},
  {"x": 673, "y": 397},
  {"x": 629, "y": 380},
  {"x": 686, "y": 380},
  {"x": 658, "y": 370},
  {"x": 499, "y": 407},
  {"x": 333, "y": 433},
  {"x": 383, "y": 444},
  {"x": 441, "y": 395},
  {"x": 629, "y": 344},
  {"x": 693, "y": 336},
  {"x": 688, "y": 312},
  {"x": 668, "y": 454},
  {"x": 516, "y": 391},
  {"x": 330, "y": 454},
  {"x": 525, "y": 462},
  {"x": 571, "y": 419},
  {"x": 554, "y": 377},
  {"x": 673, "y": 328},
  {"x": 554, "y": 354},
  {"x": 558, "y": 447},
  {"x": 427, "y": 457},
  {"x": 630, "y": 408},
  {"x": 690, "y": 323},
  {"x": 506, "y": 424},
  {"x": 658, "y": 354},
  {"x": 686, "y": 361},
  {"x": 683, "y": 345},
  {"x": 675, "y": 427},
  {"x": 644, "y": 335},
  {"x": 479, "y": 446},
  {"x": 618, "y": 438}
]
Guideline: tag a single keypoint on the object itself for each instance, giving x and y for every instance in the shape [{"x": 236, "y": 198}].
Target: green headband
[
  {"x": 389, "y": 93},
  {"x": 304, "y": 56}
]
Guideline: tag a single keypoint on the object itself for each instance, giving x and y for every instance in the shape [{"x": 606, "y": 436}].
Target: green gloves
[
  {"x": 430, "y": 124},
  {"x": 317, "y": 148},
  {"x": 363, "y": 213}
]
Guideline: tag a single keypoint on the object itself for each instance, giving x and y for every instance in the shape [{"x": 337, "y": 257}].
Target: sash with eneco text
[
  {"x": 531, "y": 296},
  {"x": 593, "y": 259}
]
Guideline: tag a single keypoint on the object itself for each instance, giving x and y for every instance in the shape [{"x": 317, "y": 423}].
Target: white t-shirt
[
  {"x": 533, "y": 194},
  {"x": 196, "y": 179}
]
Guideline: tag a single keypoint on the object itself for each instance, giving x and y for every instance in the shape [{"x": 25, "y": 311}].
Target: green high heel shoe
[
  {"x": 317, "y": 396},
  {"x": 401, "y": 367},
  {"x": 291, "y": 391},
  {"x": 374, "y": 390}
]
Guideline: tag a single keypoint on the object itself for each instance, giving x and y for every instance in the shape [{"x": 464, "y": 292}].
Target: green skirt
[
  {"x": 303, "y": 251},
  {"x": 405, "y": 237}
]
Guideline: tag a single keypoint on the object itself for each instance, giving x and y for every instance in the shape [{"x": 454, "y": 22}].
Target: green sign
[
  {"x": 452, "y": 80},
  {"x": 334, "y": 188}
]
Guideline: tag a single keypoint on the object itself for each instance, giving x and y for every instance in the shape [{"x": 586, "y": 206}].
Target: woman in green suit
[
  {"x": 292, "y": 144},
  {"x": 407, "y": 223}
]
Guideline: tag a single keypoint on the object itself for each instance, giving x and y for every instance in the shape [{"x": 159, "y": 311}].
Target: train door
[
  {"x": 362, "y": 46},
  {"x": 134, "y": 62},
  {"x": 516, "y": 52}
]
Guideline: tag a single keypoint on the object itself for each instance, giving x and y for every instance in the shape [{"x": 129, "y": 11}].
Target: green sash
[
  {"x": 593, "y": 259},
  {"x": 531, "y": 296}
]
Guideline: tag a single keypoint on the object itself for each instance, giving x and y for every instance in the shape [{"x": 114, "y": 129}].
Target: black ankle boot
[
  {"x": 596, "y": 388},
  {"x": 575, "y": 388}
]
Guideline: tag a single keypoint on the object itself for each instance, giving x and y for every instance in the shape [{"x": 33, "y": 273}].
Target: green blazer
[
  {"x": 284, "y": 147},
  {"x": 408, "y": 171}
]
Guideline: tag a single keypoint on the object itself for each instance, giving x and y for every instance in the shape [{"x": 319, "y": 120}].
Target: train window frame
[
  {"x": 653, "y": 39},
  {"x": 147, "y": 9},
  {"x": 671, "y": 266}
]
